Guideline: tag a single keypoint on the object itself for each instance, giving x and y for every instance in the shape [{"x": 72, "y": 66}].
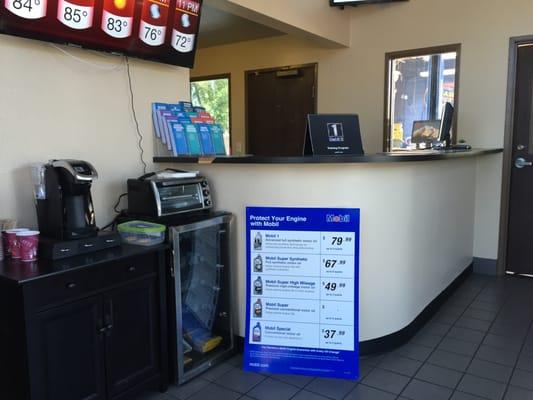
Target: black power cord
[{"x": 132, "y": 101}]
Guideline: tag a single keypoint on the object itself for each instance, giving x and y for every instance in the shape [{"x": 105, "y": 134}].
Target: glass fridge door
[{"x": 202, "y": 283}]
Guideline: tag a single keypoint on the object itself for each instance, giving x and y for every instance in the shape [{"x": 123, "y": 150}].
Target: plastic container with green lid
[{"x": 142, "y": 233}]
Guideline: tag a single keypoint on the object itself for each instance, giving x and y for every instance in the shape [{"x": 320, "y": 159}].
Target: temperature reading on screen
[{"x": 29, "y": 9}]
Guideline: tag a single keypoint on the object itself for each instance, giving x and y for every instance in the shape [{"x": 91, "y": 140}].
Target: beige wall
[
  {"x": 53, "y": 106},
  {"x": 304, "y": 18},
  {"x": 352, "y": 80}
]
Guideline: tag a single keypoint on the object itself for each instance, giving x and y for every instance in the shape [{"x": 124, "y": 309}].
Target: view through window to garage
[{"x": 419, "y": 84}]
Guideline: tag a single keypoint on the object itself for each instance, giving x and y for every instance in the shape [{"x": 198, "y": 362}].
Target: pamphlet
[{"x": 193, "y": 140}]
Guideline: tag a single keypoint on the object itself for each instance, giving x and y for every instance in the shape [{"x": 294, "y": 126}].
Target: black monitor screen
[{"x": 446, "y": 124}]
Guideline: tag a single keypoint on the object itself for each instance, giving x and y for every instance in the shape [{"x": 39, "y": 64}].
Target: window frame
[
  {"x": 230, "y": 116},
  {"x": 426, "y": 51}
]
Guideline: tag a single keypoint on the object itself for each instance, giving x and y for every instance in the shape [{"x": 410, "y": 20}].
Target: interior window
[
  {"x": 213, "y": 93},
  {"x": 419, "y": 84}
]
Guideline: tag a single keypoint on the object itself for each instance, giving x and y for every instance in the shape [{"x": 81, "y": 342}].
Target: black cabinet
[
  {"x": 86, "y": 329},
  {"x": 66, "y": 350}
]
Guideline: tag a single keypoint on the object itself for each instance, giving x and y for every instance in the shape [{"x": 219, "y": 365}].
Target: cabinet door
[
  {"x": 66, "y": 352},
  {"x": 132, "y": 338}
]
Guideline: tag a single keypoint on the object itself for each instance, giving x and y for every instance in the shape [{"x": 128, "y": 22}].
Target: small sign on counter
[{"x": 302, "y": 291}]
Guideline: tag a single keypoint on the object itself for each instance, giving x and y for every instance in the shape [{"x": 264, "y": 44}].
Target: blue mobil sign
[{"x": 302, "y": 291}]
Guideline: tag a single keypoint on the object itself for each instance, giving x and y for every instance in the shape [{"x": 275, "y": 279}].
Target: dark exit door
[
  {"x": 520, "y": 239},
  {"x": 277, "y": 103}
]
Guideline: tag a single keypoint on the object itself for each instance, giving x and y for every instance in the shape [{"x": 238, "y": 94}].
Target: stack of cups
[{"x": 21, "y": 244}]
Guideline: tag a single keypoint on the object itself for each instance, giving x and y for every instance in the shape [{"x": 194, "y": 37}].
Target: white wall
[
  {"x": 352, "y": 79},
  {"x": 416, "y": 231},
  {"x": 53, "y": 106}
]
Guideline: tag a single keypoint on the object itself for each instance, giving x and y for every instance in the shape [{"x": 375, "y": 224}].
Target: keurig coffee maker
[{"x": 67, "y": 211}]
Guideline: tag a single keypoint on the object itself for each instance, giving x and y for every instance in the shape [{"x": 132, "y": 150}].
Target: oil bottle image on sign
[
  {"x": 76, "y": 14},
  {"x": 258, "y": 286},
  {"x": 154, "y": 19},
  {"x": 258, "y": 263},
  {"x": 256, "y": 333},
  {"x": 117, "y": 18},
  {"x": 28, "y": 9},
  {"x": 258, "y": 309},
  {"x": 185, "y": 25}
]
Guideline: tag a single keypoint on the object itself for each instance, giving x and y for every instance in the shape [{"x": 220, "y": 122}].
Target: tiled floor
[{"x": 478, "y": 346}]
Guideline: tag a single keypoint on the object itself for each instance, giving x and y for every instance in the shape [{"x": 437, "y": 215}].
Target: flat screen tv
[
  {"x": 159, "y": 30},
  {"x": 354, "y": 3}
]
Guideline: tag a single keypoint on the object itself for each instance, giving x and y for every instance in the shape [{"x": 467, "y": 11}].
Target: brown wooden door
[
  {"x": 520, "y": 239},
  {"x": 277, "y": 105}
]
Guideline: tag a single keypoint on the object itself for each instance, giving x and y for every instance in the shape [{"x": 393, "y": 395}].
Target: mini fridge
[{"x": 200, "y": 295}]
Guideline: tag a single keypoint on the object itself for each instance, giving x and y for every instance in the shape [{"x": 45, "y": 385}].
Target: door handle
[{"x": 521, "y": 163}]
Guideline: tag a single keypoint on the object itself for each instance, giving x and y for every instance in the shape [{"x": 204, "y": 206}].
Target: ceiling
[{"x": 218, "y": 27}]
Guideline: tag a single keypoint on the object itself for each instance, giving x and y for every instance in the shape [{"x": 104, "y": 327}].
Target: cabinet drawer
[{"x": 68, "y": 285}]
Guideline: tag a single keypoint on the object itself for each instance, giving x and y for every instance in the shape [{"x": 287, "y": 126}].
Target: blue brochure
[
  {"x": 205, "y": 138},
  {"x": 193, "y": 140},
  {"x": 217, "y": 135},
  {"x": 179, "y": 141}
]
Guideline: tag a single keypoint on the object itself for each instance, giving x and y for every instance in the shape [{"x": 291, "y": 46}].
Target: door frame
[
  {"x": 514, "y": 44},
  {"x": 273, "y": 69}
]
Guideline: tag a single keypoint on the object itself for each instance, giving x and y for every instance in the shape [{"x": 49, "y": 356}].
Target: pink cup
[
  {"x": 12, "y": 247},
  {"x": 28, "y": 242}
]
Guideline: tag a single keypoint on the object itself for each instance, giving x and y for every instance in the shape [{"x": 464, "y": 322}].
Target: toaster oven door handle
[{"x": 176, "y": 197}]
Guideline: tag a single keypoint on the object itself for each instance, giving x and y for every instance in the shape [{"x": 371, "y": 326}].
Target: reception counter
[{"x": 417, "y": 223}]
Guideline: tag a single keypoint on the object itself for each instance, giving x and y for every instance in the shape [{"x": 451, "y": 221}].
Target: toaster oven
[{"x": 154, "y": 196}]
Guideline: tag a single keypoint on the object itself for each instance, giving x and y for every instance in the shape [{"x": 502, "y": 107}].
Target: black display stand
[{"x": 333, "y": 134}]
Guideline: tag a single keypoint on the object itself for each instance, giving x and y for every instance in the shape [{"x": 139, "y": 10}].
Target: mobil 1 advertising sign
[{"x": 302, "y": 291}]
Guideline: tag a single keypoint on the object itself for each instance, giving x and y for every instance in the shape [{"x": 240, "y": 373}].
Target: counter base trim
[{"x": 394, "y": 340}]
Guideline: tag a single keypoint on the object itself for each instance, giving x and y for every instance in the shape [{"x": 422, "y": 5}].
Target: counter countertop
[
  {"x": 400, "y": 156},
  {"x": 19, "y": 272}
]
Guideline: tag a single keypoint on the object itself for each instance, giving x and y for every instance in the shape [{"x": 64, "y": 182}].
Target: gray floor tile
[
  {"x": 426, "y": 339},
  {"x": 483, "y": 305},
  {"x": 514, "y": 393},
  {"x": 525, "y": 363},
  {"x": 154, "y": 396},
  {"x": 449, "y": 360},
  {"x": 372, "y": 360},
  {"x": 458, "y": 347},
  {"x": 187, "y": 390},
  {"x": 306, "y": 395},
  {"x": 436, "y": 328},
  {"x": 240, "y": 381},
  {"x": 399, "y": 364},
  {"x": 215, "y": 392},
  {"x": 386, "y": 380},
  {"x": 414, "y": 351},
  {"x": 236, "y": 361},
  {"x": 485, "y": 369},
  {"x": 418, "y": 390},
  {"x": 362, "y": 392},
  {"x": 475, "y": 324},
  {"x": 464, "y": 396},
  {"x": 482, "y": 387},
  {"x": 439, "y": 376},
  {"x": 332, "y": 388},
  {"x": 480, "y": 314},
  {"x": 271, "y": 389},
  {"x": 216, "y": 372},
  {"x": 295, "y": 380},
  {"x": 495, "y": 355},
  {"x": 445, "y": 318},
  {"x": 468, "y": 335},
  {"x": 523, "y": 379},
  {"x": 502, "y": 342}
]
